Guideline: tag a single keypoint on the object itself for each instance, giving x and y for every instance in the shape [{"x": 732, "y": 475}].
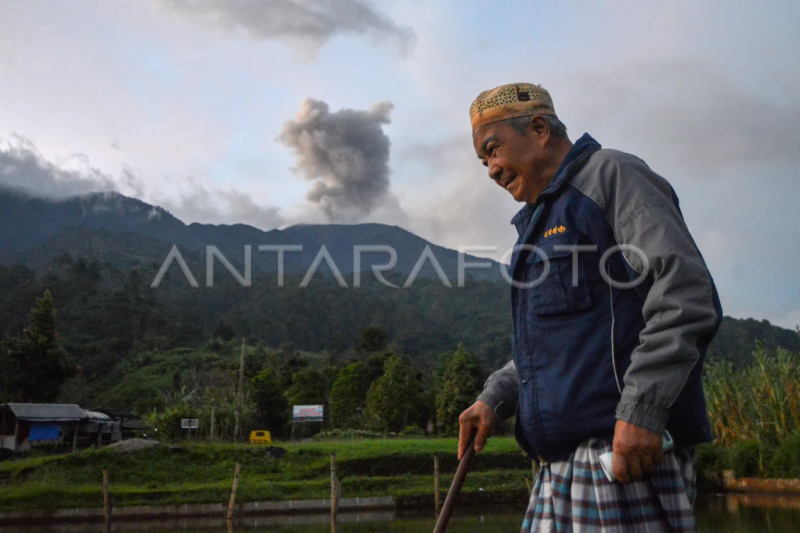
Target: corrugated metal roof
[
  {"x": 135, "y": 425},
  {"x": 114, "y": 413},
  {"x": 94, "y": 415},
  {"x": 57, "y": 412}
]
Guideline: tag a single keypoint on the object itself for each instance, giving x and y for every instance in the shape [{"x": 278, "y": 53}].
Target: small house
[
  {"x": 99, "y": 429},
  {"x": 24, "y": 425},
  {"x": 130, "y": 423}
]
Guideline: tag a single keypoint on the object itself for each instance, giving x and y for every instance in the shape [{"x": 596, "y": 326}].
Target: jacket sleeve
[
  {"x": 501, "y": 391},
  {"x": 680, "y": 310}
]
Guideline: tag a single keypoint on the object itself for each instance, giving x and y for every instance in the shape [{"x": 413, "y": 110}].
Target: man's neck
[{"x": 560, "y": 150}]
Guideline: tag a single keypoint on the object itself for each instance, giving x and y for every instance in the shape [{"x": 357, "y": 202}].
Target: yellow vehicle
[{"x": 260, "y": 436}]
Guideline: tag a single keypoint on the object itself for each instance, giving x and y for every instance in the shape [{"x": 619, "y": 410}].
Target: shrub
[{"x": 413, "y": 431}]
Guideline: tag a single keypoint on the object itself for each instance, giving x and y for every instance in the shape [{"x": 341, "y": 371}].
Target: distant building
[
  {"x": 100, "y": 429},
  {"x": 24, "y": 425},
  {"x": 130, "y": 424}
]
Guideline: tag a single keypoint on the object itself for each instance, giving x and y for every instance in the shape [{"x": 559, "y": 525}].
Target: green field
[{"x": 202, "y": 473}]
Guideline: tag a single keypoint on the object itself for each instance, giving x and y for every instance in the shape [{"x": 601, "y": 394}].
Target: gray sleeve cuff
[
  {"x": 504, "y": 410},
  {"x": 501, "y": 391},
  {"x": 645, "y": 415}
]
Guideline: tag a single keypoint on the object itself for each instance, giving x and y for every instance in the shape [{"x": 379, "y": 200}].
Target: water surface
[{"x": 729, "y": 514}]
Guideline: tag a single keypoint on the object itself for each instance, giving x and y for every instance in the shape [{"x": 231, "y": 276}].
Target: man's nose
[{"x": 495, "y": 171}]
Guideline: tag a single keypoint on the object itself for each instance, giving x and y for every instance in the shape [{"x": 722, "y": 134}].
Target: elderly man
[{"x": 613, "y": 309}]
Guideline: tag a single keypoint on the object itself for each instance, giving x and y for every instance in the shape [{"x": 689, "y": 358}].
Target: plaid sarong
[{"x": 575, "y": 495}]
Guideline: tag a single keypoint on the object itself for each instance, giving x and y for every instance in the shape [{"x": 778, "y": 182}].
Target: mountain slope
[
  {"x": 34, "y": 231},
  {"x": 27, "y": 221}
]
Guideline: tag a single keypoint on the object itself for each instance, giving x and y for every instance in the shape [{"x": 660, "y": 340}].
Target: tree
[
  {"x": 224, "y": 331},
  {"x": 309, "y": 387},
  {"x": 38, "y": 364},
  {"x": 290, "y": 367},
  {"x": 372, "y": 339},
  {"x": 271, "y": 406},
  {"x": 349, "y": 395},
  {"x": 257, "y": 360},
  {"x": 337, "y": 345},
  {"x": 375, "y": 364},
  {"x": 463, "y": 382},
  {"x": 391, "y": 398}
]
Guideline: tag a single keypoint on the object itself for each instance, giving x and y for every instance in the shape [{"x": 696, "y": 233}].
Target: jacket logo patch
[{"x": 554, "y": 231}]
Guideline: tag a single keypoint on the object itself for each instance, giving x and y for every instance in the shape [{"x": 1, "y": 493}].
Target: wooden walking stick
[{"x": 455, "y": 487}]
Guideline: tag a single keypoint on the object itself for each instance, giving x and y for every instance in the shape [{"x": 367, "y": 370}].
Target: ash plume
[{"x": 345, "y": 154}]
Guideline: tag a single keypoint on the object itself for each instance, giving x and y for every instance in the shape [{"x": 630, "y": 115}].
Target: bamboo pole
[
  {"x": 334, "y": 493},
  {"x": 106, "y": 498},
  {"x": 232, "y": 503},
  {"x": 436, "y": 484},
  {"x": 75, "y": 437},
  {"x": 455, "y": 487},
  {"x": 211, "y": 433},
  {"x": 239, "y": 396}
]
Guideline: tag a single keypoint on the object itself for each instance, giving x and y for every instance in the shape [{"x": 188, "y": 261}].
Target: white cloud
[
  {"x": 23, "y": 168},
  {"x": 790, "y": 320},
  {"x": 220, "y": 206},
  {"x": 305, "y": 24}
]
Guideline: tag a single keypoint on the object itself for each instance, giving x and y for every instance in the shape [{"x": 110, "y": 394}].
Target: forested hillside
[{"x": 109, "y": 317}]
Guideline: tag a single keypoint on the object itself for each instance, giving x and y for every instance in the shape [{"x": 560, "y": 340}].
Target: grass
[
  {"x": 759, "y": 403},
  {"x": 202, "y": 473},
  {"x": 755, "y": 417},
  {"x": 754, "y": 412},
  {"x": 752, "y": 459}
]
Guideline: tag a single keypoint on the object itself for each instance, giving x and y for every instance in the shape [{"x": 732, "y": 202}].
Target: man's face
[{"x": 514, "y": 160}]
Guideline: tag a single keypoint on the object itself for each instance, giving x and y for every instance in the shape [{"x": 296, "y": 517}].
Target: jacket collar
[
  {"x": 520, "y": 220},
  {"x": 576, "y": 156}
]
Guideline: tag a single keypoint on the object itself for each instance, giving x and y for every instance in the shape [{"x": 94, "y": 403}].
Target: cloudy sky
[{"x": 278, "y": 112}]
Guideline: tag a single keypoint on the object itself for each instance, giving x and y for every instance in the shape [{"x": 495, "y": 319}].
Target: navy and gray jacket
[{"x": 587, "y": 352}]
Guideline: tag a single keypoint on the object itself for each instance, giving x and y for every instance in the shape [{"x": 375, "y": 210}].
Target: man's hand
[
  {"x": 636, "y": 451},
  {"x": 479, "y": 416}
]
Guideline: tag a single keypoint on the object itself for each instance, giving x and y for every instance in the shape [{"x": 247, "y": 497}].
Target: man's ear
[
  {"x": 540, "y": 130},
  {"x": 539, "y": 126}
]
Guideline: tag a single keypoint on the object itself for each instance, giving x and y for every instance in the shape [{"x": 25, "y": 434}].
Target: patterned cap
[{"x": 510, "y": 101}]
